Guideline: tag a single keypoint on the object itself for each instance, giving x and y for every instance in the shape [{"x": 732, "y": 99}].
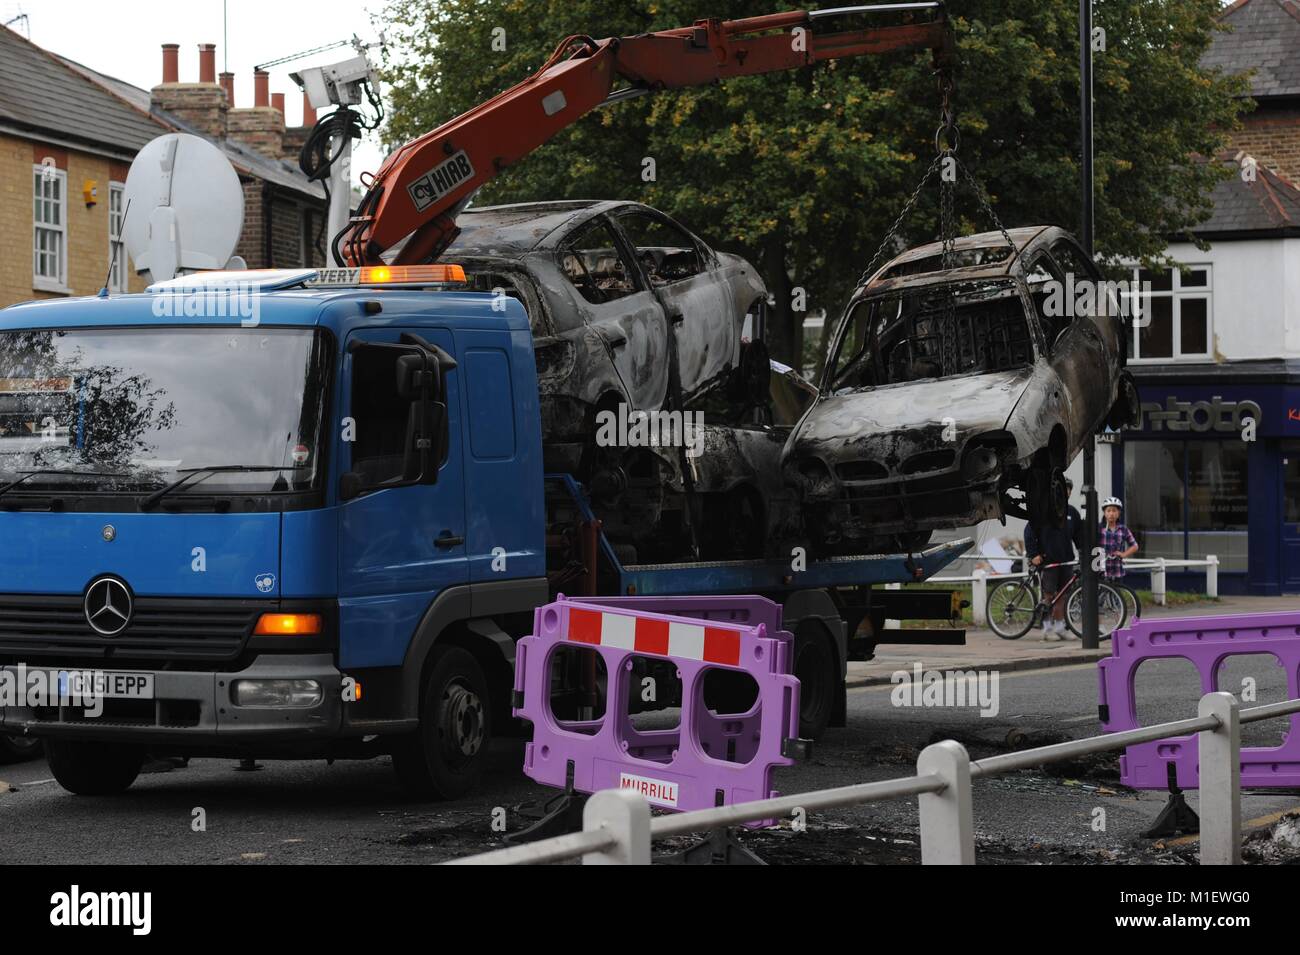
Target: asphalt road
[{"x": 353, "y": 812}]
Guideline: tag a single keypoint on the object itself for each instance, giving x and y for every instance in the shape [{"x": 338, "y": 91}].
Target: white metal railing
[
  {"x": 1158, "y": 568},
  {"x": 618, "y": 827}
]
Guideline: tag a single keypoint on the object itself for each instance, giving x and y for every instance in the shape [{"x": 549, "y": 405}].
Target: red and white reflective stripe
[{"x": 688, "y": 641}]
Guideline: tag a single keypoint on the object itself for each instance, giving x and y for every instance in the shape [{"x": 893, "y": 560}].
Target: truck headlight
[{"x": 293, "y": 693}]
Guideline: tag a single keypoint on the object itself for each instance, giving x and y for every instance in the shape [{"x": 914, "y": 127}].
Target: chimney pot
[
  {"x": 308, "y": 111},
  {"x": 228, "y": 84},
  {"x": 261, "y": 88},
  {"x": 207, "y": 62},
  {"x": 277, "y": 102},
  {"x": 171, "y": 62}
]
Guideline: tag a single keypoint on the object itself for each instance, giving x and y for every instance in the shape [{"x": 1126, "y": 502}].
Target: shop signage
[{"x": 1212, "y": 415}]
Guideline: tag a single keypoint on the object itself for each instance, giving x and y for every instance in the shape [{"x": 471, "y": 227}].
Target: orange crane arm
[{"x": 423, "y": 185}]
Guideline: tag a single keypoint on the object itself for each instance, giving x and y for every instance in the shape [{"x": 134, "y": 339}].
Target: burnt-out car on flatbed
[
  {"x": 631, "y": 314},
  {"x": 610, "y": 287},
  {"x": 959, "y": 395}
]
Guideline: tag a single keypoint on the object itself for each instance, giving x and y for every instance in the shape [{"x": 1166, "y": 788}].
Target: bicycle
[{"x": 1016, "y": 605}]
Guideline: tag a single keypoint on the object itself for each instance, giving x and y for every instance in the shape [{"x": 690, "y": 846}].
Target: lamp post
[{"x": 1086, "y": 222}]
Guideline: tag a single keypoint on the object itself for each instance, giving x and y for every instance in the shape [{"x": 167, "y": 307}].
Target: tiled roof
[
  {"x": 1264, "y": 37},
  {"x": 243, "y": 157},
  {"x": 1270, "y": 204},
  {"x": 42, "y": 94}
]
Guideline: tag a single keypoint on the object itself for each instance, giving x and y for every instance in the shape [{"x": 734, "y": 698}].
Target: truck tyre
[
  {"x": 16, "y": 749},
  {"x": 93, "y": 768},
  {"x": 444, "y": 758},
  {"x": 819, "y": 677}
]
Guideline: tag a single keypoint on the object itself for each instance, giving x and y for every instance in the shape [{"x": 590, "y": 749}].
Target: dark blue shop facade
[{"x": 1215, "y": 469}]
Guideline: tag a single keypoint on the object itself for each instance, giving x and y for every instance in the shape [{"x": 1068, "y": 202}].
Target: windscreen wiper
[
  {"x": 28, "y": 475},
  {"x": 189, "y": 473}
]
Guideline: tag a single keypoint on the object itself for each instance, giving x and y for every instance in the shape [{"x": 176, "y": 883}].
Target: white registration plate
[{"x": 113, "y": 684}]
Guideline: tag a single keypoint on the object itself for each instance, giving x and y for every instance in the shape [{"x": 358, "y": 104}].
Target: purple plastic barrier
[
  {"x": 1205, "y": 641},
  {"x": 709, "y": 759}
]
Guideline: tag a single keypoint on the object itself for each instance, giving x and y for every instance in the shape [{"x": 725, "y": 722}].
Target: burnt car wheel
[
  {"x": 1127, "y": 409},
  {"x": 1047, "y": 498}
]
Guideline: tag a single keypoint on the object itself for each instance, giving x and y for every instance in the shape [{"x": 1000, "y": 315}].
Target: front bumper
[{"x": 195, "y": 707}]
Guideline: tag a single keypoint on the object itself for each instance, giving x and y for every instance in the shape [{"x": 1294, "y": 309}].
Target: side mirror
[
  {"x": 426, "y": 440},
  {"x": 351, "y": 485},
  {"x": 415, "y": 379}
]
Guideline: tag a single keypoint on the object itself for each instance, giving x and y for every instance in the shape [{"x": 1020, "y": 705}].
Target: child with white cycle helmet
[{"x": 1116, "y": 540}]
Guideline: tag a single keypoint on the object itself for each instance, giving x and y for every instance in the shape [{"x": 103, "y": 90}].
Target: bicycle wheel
[
  {"x": 1110, "y": 610},
  {"x": 1132, "y": 605},
  {"x": 1012, "y": 607}
]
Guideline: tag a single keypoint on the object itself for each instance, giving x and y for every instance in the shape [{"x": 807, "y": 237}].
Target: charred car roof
[
  {"x": 518, "y": 228},
  {"x": 981, "y": 256}
]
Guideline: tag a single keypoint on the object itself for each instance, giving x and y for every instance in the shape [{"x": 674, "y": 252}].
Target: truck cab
[{"x": 265, "y": 516}]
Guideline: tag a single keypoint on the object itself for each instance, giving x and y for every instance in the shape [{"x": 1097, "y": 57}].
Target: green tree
[{"x": 803, "y": 172}]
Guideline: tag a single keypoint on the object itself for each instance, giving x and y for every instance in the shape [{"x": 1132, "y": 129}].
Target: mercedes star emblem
[{"x": 108, "y": 606}]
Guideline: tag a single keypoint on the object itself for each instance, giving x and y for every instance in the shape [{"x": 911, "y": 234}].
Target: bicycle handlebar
[{"x": 1063, "y": 563}]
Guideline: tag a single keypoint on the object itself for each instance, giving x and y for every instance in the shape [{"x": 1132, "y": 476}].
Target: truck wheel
[
  {"x": 444, "y": 758},
  {"x": 16, "y": 749},
  {"x": 93, "y": 768},
  {"x": 814, "y": 665}
]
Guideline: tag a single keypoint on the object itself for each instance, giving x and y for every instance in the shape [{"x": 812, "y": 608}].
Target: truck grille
[{"x": 161, "y": 628}]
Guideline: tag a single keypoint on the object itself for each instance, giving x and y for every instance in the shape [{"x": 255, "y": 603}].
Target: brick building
[
  {"x": 67, "y": 138},
  {"x": 1264, "y": 39}
]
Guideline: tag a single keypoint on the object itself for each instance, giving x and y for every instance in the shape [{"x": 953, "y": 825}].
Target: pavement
[{"x": 985, "y": 650}]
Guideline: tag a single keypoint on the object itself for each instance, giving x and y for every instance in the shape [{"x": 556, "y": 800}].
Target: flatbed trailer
[{"x": 835, "y": 607}]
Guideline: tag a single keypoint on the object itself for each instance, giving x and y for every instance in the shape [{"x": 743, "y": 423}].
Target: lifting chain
[
  {"x": 946, "y": 140},
  {"x": 892, "y": 235},
  {"x": 986, "y": 206}
]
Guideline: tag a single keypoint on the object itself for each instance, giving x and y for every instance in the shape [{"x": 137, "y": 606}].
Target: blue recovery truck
[{"x": 307, "y": 521}]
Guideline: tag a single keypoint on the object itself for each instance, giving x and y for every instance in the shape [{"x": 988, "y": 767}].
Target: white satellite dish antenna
[{"x": 186, "y": 207}]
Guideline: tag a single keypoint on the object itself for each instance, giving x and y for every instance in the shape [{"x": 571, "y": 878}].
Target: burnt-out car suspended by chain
[
  {"x": 955, "y": 396},
  {"x": 632, "y": 314}
]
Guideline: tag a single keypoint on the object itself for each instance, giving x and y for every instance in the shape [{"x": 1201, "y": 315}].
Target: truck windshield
[
  {"x": 125, "y": 410},
  {"x": 934, "y": 331}
]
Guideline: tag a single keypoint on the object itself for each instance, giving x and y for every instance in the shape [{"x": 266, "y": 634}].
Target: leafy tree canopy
[{"x": 804, "y": 172}]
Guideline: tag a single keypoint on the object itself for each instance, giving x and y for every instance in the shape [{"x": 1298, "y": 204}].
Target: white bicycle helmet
[{"x": 1112, "y": 502}]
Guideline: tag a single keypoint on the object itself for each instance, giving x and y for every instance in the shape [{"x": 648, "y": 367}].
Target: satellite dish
[{"x": 186, "y": 207}]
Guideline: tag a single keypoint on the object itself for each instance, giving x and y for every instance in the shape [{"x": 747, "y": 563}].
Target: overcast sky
[{"x": 124, "y": 39}]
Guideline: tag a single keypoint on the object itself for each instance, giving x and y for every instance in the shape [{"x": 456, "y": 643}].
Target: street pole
[
  {"x": 340, "y": 210},
  {"x": 1086, "y": 574}
]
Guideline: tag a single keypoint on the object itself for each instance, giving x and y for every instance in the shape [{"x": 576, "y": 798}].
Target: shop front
[{"x": 1214, "y": 468}]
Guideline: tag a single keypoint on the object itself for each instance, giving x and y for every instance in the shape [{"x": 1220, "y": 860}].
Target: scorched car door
[{"x": 623, "y": 313}]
